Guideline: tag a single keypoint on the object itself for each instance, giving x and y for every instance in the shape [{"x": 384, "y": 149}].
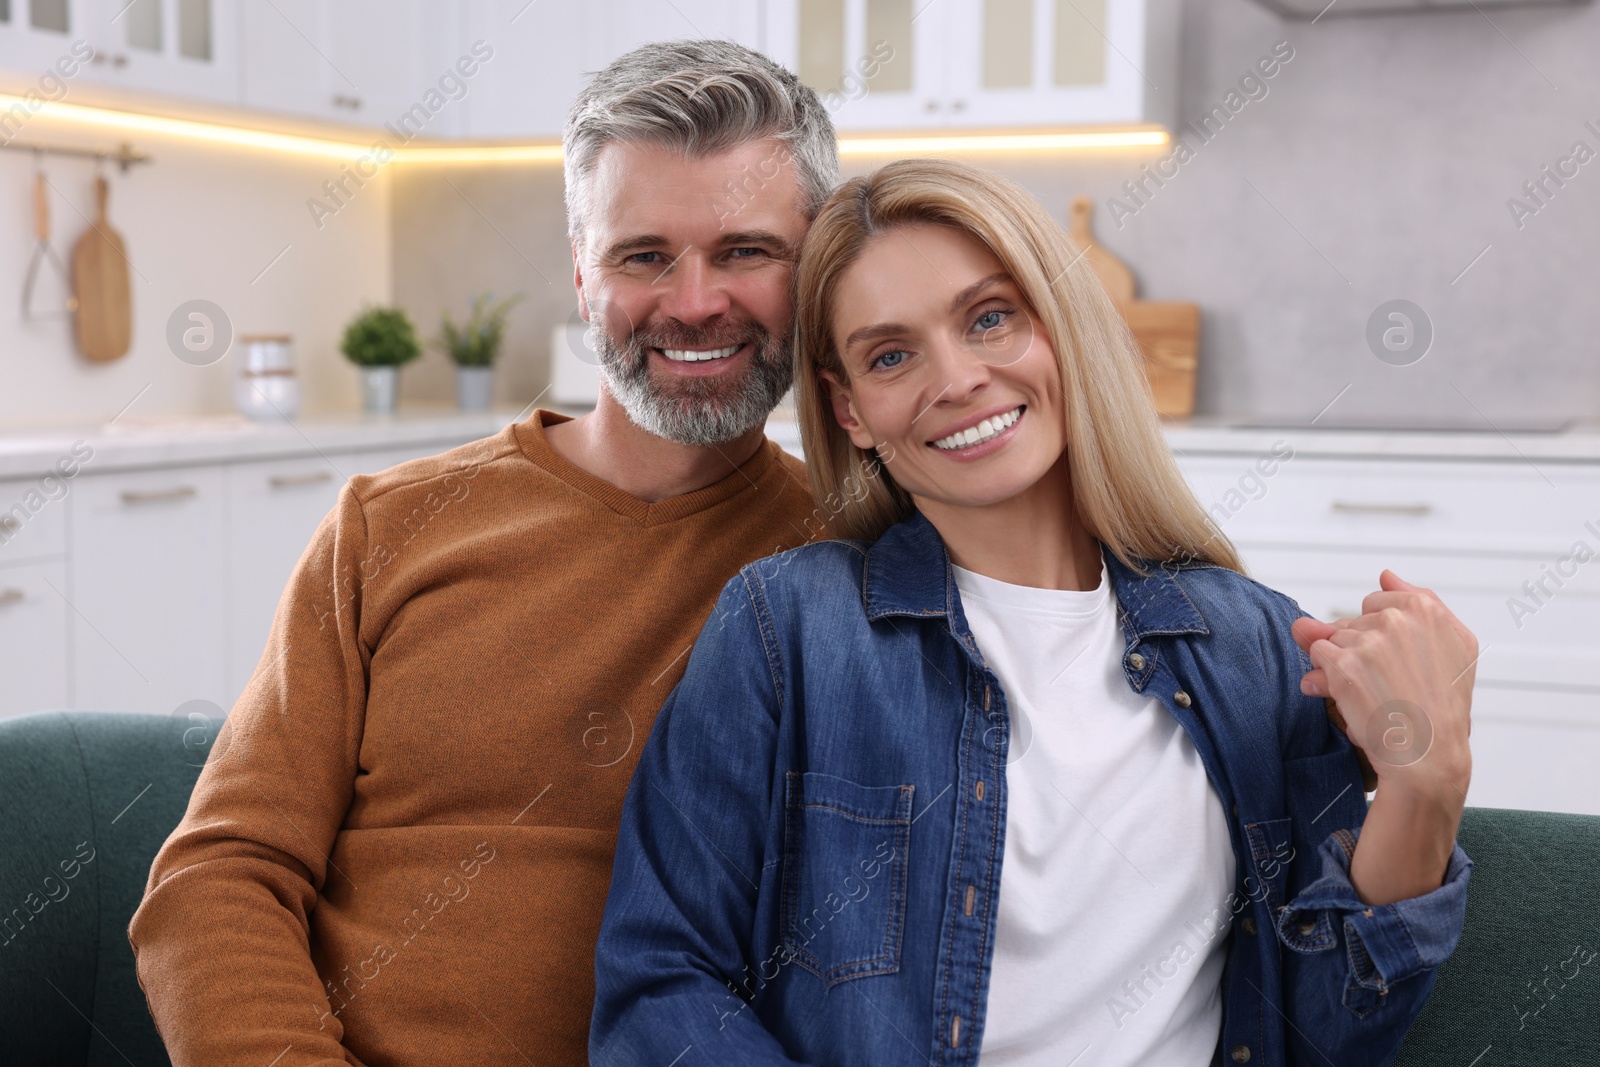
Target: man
[{"x": 401, "y": 846}]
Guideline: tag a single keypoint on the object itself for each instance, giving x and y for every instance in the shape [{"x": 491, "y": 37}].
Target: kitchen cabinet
[
  {"x": 1320, "y": 528},
  {"x": 544, "y": 53},
  {"x": 147, "y": 588},
  {"x": 149, "y": 576},
  {"x": 909, "y": 64},
  {"x": 184, "y": 48},
  {"x": 34, "y": 35},
  {"x": 357, "y": 62},
  {"x": 33, "y": 634}
]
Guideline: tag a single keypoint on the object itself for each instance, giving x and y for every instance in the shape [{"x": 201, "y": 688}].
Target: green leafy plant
[
  {"x": 476, "y": 342},
  {"x": 380, "y": 337}
]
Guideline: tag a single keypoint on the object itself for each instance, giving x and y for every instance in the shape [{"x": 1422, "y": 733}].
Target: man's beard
[{"x": 691, "y": 410}]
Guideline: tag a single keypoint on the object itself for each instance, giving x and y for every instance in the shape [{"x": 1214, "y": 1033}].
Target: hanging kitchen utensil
[
  {"x": 43, "y": 252},
  {"x": 100, "y": 281}
]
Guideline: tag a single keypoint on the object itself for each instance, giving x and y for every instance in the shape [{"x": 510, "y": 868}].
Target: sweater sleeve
[{"x": 222, "y": 937}]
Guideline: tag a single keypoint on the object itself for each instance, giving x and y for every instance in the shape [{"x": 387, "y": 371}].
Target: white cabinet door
[
  {"x": 147, "y": 588},
  {"x": 910, "y": 64},
  {"x": 1060, "y": 62},
  {"x": 539, "y": 57},
  {"x": 631, "y": 23},
  {"x": 33, "y": 36},
  {"x": 33, "y": 637},
  {"x": 351, "y": 61},
  {"x": 877, "y": 64},
  {"x": 544, "y": 53},
  {"x": 1537, "y": 750},
  {"x": 182, "y": 48}
]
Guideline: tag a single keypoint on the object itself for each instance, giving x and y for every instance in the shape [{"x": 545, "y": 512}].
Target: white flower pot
[
  {"x": 380, "y": 389},
  {"x": 474, "y": 388}
]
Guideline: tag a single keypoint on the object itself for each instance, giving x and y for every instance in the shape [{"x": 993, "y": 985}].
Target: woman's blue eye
[
  {"x": 990, "y": 319},
  {"x": 740, "y": 253},
  {"x": 889, "y": 360}
]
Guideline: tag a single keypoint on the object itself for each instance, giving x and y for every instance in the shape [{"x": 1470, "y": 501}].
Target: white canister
[{"x": 267, "y": 386}]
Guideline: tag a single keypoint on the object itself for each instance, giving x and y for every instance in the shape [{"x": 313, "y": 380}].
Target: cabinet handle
[
  {"x": 351, "y": 102},
  {"x": 151, "y": 496},
  {"x": 958, "y": 105},
  {"x": 9, "y": 525},
  {"x": 1353, "y": 508},
  {"x": 931, "y": 105},
  {"x": 289, "y": 481},
  {"x": 10, "y": 596}
]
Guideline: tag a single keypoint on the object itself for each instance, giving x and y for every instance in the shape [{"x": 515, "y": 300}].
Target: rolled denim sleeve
[
  {"x": 691, "y": 855},
  {"x": 1370, "y": 950}
]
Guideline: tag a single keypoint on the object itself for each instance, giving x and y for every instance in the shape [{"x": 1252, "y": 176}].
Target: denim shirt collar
[{"x": 908, "y": 573}]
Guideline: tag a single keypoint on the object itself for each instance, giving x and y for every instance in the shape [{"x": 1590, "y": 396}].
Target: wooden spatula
[
  {"x": 100, "y": 282},
  {"x": 1112, "y": 272}
]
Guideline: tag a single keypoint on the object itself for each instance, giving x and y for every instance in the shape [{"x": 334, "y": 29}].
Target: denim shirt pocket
[
  {"x": 1271, "y": 852},
  {"x": 843, "y": 904}
]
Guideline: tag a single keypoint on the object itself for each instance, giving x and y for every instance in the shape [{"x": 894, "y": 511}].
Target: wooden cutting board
[
  {"x": 104, "y": 323},
  {"x": 1112, "y": 272},
  {"x": 1167, "y": 332}
]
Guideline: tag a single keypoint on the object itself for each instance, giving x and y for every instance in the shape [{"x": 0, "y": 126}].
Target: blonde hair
[{"x": 1126, "y": 486}]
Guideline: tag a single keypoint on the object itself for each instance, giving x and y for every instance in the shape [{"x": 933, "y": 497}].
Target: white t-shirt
[{"x": 1118, "y": 863}]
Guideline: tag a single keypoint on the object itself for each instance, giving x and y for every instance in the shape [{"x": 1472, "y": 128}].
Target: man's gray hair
[{"x": 702, "y": 97}]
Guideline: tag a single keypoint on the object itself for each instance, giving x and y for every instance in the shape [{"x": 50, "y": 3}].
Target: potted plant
[
  {"x": 379, "y": 341},
  {"x": 473, "y": 346}
]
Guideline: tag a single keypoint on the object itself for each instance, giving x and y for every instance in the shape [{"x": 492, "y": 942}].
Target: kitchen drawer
[
  {"x": 32, "y": 522},
  {"x": 1432, "y": 505},
  {"x": 1534, "y": 749},
  {"x": 1556, "y": 643},
  {"x": 33, "y": 637}
]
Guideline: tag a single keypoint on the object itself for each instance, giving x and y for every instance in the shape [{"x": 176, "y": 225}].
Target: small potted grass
[
  {"x": 380, "y": 341},
  {"x": 473, "y": 347}
]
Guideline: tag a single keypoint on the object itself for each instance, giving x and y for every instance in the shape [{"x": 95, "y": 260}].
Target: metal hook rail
[{"x": 124, "y": 155}]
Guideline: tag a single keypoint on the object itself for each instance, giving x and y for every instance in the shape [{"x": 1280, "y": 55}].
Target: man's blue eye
[
  {"x": 739, "y": 253},
  {"x": 889, "y": 360},
  {"x": 639, "y": 257},
  {"x": 990, "y": 319}
]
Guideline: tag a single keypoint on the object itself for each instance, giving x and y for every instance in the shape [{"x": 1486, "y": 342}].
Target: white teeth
[
  {"x": 689, "y": 355},
  {"x": 984, "y": 430}
]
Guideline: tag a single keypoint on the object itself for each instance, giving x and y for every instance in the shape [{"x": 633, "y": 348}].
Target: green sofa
[{"x": 95, "y": 794}]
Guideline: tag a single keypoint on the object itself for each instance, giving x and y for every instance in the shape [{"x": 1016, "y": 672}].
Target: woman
[{"x": 1028, "y": 768}]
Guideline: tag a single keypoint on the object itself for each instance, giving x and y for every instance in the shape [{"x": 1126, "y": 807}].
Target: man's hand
[{"x": 1401, "y": 675}]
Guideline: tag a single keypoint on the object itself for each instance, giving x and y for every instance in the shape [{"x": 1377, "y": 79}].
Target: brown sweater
[{"x": 400, "y": 848}]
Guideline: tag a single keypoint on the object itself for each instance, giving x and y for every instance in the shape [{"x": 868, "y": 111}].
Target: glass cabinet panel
[
  {"x": 1008, "y": 35},
  {"x": 1080, "y": 45}
]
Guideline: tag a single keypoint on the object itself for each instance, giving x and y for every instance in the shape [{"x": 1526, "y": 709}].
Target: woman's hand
[{"x": 1401, "y": 675}]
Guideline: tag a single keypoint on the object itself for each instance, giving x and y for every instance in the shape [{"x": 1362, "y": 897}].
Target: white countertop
[
  {"x": 133, "y": 443},
  {"x": 130, "y": 443}
]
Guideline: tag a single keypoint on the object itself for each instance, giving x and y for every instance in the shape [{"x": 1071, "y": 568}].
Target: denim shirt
[{"x": 810, "y": 852}]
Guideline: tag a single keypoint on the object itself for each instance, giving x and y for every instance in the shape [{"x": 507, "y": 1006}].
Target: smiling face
[
  {"x": 684, "y": 276},
  {"x": 949, "y": 375}
]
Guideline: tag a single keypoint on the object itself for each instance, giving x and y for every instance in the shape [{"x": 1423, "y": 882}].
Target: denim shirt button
[
  {"x": 1136, "y": 661},
  {"x": 1248, "y": 925},
  {"x": 1183, "y": 701},
  {"x": 1240, "y": 1054}
]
